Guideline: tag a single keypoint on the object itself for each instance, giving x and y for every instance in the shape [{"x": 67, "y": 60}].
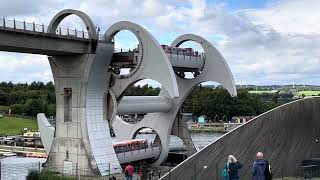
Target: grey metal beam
[
  {"x": 38, "y": 43},
  {"x": 144, "y": 104}
]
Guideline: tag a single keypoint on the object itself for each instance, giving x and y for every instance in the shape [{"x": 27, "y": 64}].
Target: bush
[
  {"x": 4, "y": 109},
  {"x": 36, "y": 175},
  {"x": 17, "y": 108},
  {"x": 34, "y": 106},
  {"x": 33, "y": 175}
]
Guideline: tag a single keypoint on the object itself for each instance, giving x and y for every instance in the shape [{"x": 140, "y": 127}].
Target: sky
[{"x": 264, "y": 42}]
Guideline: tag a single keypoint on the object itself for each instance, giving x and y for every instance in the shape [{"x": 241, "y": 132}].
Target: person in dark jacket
[
  {"x": 260, "y": 169},
  {"x": 234, "y": 166}
]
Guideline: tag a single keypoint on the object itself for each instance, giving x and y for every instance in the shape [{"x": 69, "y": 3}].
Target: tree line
[{"x": 30, "y": 99}]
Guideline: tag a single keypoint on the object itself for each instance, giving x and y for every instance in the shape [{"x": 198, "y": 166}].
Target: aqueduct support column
[
  {"x": 68, "y": 148},
  {"x": 82, "y": 142}
]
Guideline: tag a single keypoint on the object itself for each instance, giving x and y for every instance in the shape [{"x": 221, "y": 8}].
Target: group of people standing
[
  {"x": 144, "y": 173},
  {"x": 261, "y": 169}
]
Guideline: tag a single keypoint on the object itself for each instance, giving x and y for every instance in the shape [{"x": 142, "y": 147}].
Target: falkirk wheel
[{"x": 90, "y": 95}]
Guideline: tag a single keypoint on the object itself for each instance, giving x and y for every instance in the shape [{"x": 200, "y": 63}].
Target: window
[{"x": 67, "y": 104}]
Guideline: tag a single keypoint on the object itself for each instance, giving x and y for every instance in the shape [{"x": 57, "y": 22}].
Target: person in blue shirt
[
  {"x": 261, "y": 169},
  {"x": 233, "y": 166}
]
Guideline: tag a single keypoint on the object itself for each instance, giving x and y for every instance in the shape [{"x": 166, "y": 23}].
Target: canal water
[
  {"x": 203, "y": 139},
  {"x": 16, "y": 168}
]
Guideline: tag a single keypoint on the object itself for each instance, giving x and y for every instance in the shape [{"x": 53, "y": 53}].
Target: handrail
[{"x": 41, "y": 28}]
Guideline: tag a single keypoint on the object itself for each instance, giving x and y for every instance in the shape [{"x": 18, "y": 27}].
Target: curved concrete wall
[
  {"x": 47, "y": 131},
  {"x": 287, "y": 135}
]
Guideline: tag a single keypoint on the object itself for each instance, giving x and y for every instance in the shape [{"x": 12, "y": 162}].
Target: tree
[
  {"x": 17, "y": 108},
  {"x": 275, "y": 97},
  {"x": 34, "y": 106}
]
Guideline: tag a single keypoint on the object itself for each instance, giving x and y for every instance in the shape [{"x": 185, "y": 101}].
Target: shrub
[{"x": 33, "y": 175}]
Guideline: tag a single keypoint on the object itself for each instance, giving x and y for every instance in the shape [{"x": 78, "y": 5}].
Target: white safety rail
[{"x": 13, "y": 25}]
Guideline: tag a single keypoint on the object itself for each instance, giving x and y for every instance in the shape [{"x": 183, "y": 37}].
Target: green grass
[
  {"x": 263, "y": 91},
  {"x": 14, "y": 126},
  {"x": 308, "y": 93}
]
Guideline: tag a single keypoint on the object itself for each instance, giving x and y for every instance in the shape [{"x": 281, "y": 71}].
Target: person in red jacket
[{"x": 129, "y": 171}]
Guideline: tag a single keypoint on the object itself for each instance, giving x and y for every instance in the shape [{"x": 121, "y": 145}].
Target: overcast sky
[{"x": 264, "y": 42}]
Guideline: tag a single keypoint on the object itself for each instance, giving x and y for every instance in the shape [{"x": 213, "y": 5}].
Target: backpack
[
  {"x": 225, "y": 172},
  {"x": 268, "y": 172}
]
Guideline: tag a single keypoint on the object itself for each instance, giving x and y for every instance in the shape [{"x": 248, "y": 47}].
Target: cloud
[
  {"x": 290, "y": 16},
  {"x": 18, "y": 67},
  {"x": 14, "y": 8},
  {"x": 276, "y": 44}
]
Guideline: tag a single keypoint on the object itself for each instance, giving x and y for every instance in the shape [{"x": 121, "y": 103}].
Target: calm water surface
[
  {"x": 204, "y": 139},
  {"x": 16, "y": 168}
]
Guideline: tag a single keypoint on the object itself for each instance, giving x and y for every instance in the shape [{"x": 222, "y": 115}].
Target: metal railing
[
  {"x": 143, "y": 171},
  {"x": 14, "y": 25}
]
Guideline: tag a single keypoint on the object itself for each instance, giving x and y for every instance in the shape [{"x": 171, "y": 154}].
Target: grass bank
[
  {"x": 308, "y": 93},
  {"x": 14, "y": 125},
  {"x": 207, "y": 130}
]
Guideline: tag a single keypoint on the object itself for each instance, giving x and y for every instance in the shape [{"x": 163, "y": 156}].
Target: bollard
[
  {"x": 77, "y": 173},
  {"x": 169, "y": 172},
  {"x": 194, "y": 172},
  {"x": 109, "y": 171},
  {"x": 217, "y": 172}
]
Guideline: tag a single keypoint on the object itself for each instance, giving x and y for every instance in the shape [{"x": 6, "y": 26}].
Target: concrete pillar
[
  {"x": 69, "y": 74},
  {"x": 82, "y": 139},
  {"x": 180, "y": 129}
]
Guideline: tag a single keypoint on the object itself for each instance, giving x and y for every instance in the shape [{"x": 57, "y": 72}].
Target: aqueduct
[
  {"x": 89, "y": 88},
  {"x": 90, "y": 100}
]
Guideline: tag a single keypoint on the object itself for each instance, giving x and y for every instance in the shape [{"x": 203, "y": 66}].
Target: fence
[
  {"x": 11, "y": 171},
  {"x": 37, "y": 28},
  {"x": 20, "y": 171},
  {"x": 215, "y": 172}
]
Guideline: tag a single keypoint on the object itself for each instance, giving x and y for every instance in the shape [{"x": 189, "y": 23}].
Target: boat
[{"x": 9, "y": 154}]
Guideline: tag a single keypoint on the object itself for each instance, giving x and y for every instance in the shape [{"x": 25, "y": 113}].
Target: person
[
  {"x": 129, "y": 171},
  {"x": 149, "y": 175},
  {"x": 261, "y": 170},
  {"x": 231, "y": 169}
]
